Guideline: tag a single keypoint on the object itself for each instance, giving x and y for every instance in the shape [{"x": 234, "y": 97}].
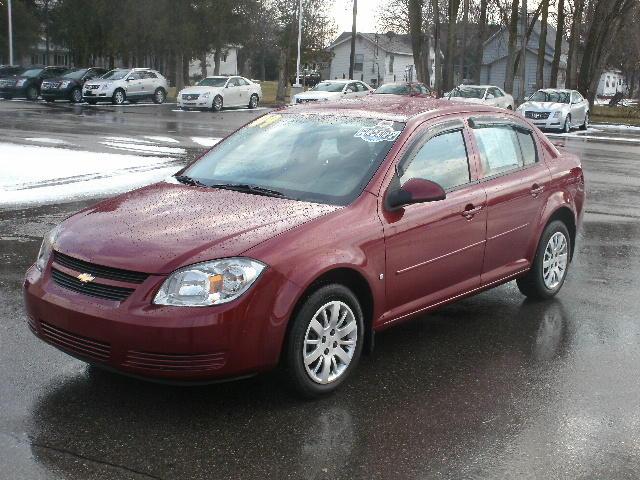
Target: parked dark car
[
  {"x": 295, "y": 239},
  {"x": 309, "y": 77},
  {"x": 403, "y": 88},
  {"x": 69, "y": 85},
  {"x": 10, "y": 70},
  {"x": 26, "y": 83}
]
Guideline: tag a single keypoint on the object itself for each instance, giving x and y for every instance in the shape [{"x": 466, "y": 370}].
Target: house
[
  {"x": 379, "y": 58},
  {"x": 228, "y": 63},
  {"x": 611, "y": 82},
  {"x": 495, "y": 53},
  {"x": 38, "y": 55}
]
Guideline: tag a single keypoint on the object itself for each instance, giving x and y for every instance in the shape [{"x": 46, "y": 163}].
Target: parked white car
[
  {"x": 122, "y": 84},
  {"x": 556, "y": 109},
  {"x": 216, "y": 92},
  {"x": 485, "y": 94},
  {"x": 333, "y": 90}
]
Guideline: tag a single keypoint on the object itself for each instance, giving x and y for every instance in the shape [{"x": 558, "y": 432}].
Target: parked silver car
[
  {"x": 122, "y": 84},
  {"x": 556, "y": 109}
]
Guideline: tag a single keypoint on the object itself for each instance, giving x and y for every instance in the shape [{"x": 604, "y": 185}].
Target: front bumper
[
  {"x": 57, "y": 94},
  {"x": 13, "y": 91},
  {"x": 176, "y": 344},
  {"x": 550, "y": 123},
  {"x": 97, "y": 94},
  {"x": 196, "y": 103}
]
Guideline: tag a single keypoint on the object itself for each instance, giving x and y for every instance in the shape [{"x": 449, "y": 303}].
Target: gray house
[
  {"x": 379, "y": 57},
  {"x": 494, "y": 60}
]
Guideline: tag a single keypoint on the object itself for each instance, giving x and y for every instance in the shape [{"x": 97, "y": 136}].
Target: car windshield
[
  {"x": 394, "y": 88},
  {"x": 468, "y": 92},
  {"x": 555, "y": 97},
  {"x": 314, "y": 158},
  {"x": 30, "y": 72},
  {"x": 328, "y": 87},
  {"x": 212, "y": 82},
  {"x": 75, "y": 74},
  {"x": 115, "y": 74}
]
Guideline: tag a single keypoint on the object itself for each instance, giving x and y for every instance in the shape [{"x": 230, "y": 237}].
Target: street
[{"x": 490, "y": 387}]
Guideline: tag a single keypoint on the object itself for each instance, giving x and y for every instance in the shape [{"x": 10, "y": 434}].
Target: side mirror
[{"x": 415, "y": 190}]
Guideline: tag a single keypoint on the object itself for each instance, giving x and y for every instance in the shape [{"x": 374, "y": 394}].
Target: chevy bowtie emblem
[{"x": 86, "y": 277}]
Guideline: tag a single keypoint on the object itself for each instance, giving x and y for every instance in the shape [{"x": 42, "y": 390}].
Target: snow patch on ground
[
  {"x": 610, "y": 126},
  {"x": 50, "y": 141},
  {"x": 38, "y": 175},
  {"x": 205, "y": 141},
  {"x": 162, "y": 139}
]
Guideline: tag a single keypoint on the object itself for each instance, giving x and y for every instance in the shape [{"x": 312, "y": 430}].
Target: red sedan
[{"x": 302, "y": 234}]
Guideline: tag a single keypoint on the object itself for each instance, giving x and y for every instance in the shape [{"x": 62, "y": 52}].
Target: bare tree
[
  {"x": 482, "y": 26},
  {"x": 542, "y": 44},
  {"x": 555, "y": 64},
  {"x": 417, "y": 39},
  {"x": 574, "y": 42},
  {"x": 511, "y": 47},
  {"x": 453, "y": 7},
  {"x": 352, "y": 56},
  {"x": 437, "y": 81}
]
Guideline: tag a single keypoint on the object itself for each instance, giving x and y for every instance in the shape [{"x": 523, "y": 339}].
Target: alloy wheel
[
  {"x": 217, "y": 104},
  {"x": 160, "y": 96},
  {"x": 554, "y": 262},
  {"x": 330, "y": 342},
  {"x": 119, "y": 97},
  {"x": 77, "y": 96}
]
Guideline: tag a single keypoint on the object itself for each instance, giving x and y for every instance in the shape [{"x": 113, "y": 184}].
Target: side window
[
  {"x": 442, "y": 159},
  {"x": 351, "y": 88},
  {"x": 150, "y": 75},
  {"x": 135, "y": 76},
  {"x": 528, "y": 147},
  {"x": 499, "y": 149},
  {"x": 496, "y": 92},
  {"x": 243, "y": 82}
]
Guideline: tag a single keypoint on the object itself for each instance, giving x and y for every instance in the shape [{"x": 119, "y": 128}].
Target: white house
[
  {"x": 380, "y": 58},
  {"x": 228, "y": 63},
  {"x": 611, "y": 82}
]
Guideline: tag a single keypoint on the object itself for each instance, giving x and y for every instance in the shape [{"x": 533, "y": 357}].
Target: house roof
[
  {"x": 550, "y": 40},
  {"x": 393, "y": 43}
]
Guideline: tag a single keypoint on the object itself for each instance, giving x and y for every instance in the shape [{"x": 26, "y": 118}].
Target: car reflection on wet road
[{"x": 494, "y": 386}]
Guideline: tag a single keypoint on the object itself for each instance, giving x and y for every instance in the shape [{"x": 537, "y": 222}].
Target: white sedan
[
  {"x": 556, "y": 109},
  {"x": 214, "y": 93},
  {"x": 485, "y": 94},
  {"x": 333, "y": 90}
]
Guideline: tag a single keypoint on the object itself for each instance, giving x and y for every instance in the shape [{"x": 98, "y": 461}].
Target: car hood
[
  {"x": 162, "y": 227},
  {"x": 60, "y": 79},
  {"x": 543, "y": 106},
  {"x": 98, "y": 81},
  {"x": 319, "y": 95},
  {"x": 200, "y": 89}
]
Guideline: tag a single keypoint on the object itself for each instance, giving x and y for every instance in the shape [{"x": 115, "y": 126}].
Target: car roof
[
  {"x": 398, "y": 108},
  {"x": 338, "y": 80},
  {"x": 555, "y": 90}
]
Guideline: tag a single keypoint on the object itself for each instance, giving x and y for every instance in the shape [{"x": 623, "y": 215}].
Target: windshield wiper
[
  {"x": 245, "y": 187},
  {"x": 187, "y": 180}
]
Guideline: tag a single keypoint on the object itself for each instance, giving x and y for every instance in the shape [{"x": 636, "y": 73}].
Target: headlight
[
  {"x": 557, "y": 114},
  {"x": 209, "y": 283},
  {"x": 46, "y": 248},
  {"x": 21, "y": 82},
  {"x": 65, "y": 84},
  {"x": 205, "y": 95}
]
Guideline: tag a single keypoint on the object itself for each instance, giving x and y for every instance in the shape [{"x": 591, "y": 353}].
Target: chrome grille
[
  {"x": 99, "y": 290},
  {"x": 98, "y": 270}
]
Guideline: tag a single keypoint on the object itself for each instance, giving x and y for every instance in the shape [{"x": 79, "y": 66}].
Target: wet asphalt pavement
[{"x": 492, "y": 387}]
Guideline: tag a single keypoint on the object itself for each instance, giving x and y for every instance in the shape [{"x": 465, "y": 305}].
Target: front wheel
[
  {"x": 159, "y": 96},
  {"x": 325, "y": 341},
  {"x": 216, "y": 106},
  {"x": 118, "y": 97},
  {"x": 549, "y": 268},
  {"x": 76, "y": 95},
  {"x": 32, "y": 94},
  {"x": 253, "y": 101}
]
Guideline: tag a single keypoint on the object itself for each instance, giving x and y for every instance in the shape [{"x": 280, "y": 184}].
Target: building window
[
  {"x": 391, "y": 58},
  {"x": 359, "y": 62}
]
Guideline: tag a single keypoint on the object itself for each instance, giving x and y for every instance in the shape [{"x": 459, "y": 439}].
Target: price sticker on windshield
[{"x": 381, "y": 132}]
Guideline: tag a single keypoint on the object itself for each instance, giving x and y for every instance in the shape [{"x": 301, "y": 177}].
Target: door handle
[
  {"x": 536, "y": 190},
  {"x": 470, "y": 211}
]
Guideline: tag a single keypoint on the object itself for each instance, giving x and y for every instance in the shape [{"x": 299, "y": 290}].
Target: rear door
[
  {"x": 149, "y": 83},
  {"x": 434, "y": 250},
  {"x": 578, "y": 108},
  {"x": 516, "y": 180}
]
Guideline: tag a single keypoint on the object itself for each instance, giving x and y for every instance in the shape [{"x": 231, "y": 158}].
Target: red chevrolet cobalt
[{"x": 298, "y": 237}]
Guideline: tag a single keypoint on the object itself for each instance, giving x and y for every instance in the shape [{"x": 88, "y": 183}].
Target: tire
[
  {"x": 32, "y": 93},
  {"x": 509, "y": 107},
  {"x": 253, "y": 101},
  {"x": 76, "y": 95},
  {"x": 118, "y": 97},
  {"x": 567, "y": 125},
  {"x": 585, "y": 125},
  {"x": 300, "y": 374},
  {"x": 159, "y": 96},
  {"x": 533, "y": 284},
  {"x": 217, "y": 103}
]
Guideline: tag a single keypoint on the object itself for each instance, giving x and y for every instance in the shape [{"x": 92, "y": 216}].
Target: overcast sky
[{"x": 366, "y": 15}]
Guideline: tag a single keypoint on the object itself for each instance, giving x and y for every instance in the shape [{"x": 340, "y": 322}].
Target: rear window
[{"x": 504, "y": 148}]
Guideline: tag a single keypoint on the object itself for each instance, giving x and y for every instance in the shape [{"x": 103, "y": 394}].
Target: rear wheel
[
  {"x": 550, "y": 265},
  {"x": 159, "y": 96},
  {"x": 325, "y": 341},
  {"x": 567, "y": 124},
  {"x": 118, "y": 97},
  {"x": 76, "y": 95}
]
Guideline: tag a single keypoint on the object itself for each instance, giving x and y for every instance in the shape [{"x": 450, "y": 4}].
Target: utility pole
[
  {"x": 10, "y": 33},
  {"x": 299, "y": 43},
  {"x": 46, "y": 30},
  {"x": 352, "y": 58},
  {"x": 523, "y": 52}
]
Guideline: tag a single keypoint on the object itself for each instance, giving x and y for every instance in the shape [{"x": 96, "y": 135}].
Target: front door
[
  {"x": 134, "y": 84},
  {"x": 233, "y": 93},
  {"x": 516, "y": 181},
  {"x": 434, "y": 250}
]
